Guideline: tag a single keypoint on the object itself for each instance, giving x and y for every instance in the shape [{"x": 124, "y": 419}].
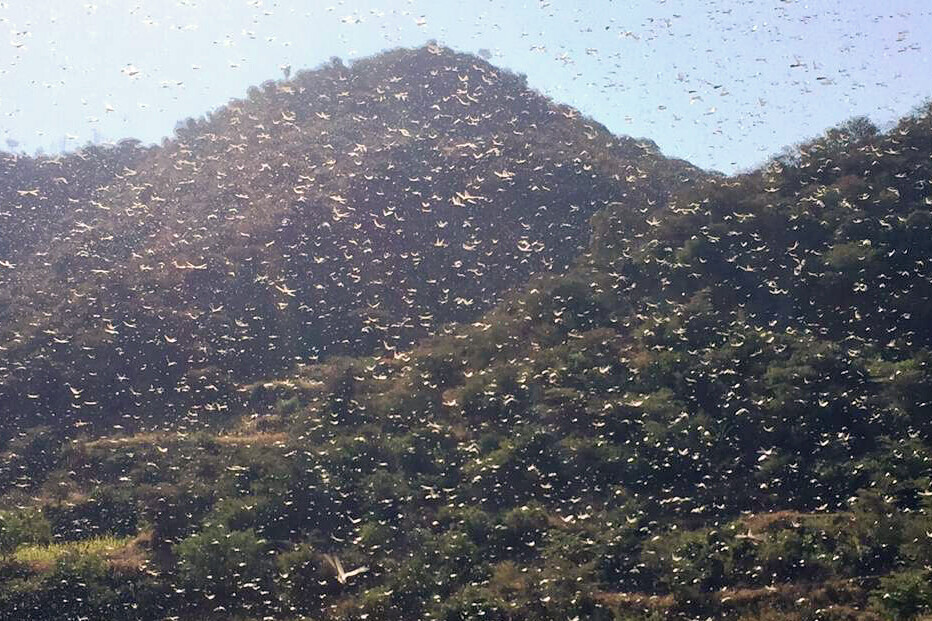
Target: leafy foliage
[{"x": 720, "y": 409}]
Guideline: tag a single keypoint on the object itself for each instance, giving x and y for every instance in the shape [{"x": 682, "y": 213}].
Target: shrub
[
  {"x": 220, "y": 563},
  {"x": 22, "y": 527},
  {"x": 108, "y": 512},
  {"x": 301, "y": 577},
  {"x": 904, "y": 595}
]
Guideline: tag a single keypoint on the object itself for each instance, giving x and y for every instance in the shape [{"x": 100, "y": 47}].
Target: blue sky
[{"x": 722, "y": 83}]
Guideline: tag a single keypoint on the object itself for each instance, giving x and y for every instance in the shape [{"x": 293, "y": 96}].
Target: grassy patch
[{"x": 42, "y": 557}]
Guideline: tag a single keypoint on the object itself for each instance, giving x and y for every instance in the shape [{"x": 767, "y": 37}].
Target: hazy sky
[{"x": 722, "y": 83}]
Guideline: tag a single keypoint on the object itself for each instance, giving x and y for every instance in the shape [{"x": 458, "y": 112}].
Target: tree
[
  {"x": 220, "y": 562},
  {"x": 904, "y": 595},
  {"x": 302, "y": 580}
]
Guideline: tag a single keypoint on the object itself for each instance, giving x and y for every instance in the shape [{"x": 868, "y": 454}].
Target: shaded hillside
[
  {"x": 42, "y": 200},
  {"x": 44, "y": 197},
  {"x": 349, "y": 210},
  {"x": 722, "y": 410}
]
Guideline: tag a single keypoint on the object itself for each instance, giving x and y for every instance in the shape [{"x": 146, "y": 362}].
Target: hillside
[
  {"x": 350, "y": 210},
  {"x": 42, "y": 197},
  {"x": 720, "y": 410}
]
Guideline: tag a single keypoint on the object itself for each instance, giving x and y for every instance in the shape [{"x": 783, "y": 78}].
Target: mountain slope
[
  {"x": 721, "y": 410},
  {"x": 349, "y": 210},
  {"x": 42, "y": 197}
]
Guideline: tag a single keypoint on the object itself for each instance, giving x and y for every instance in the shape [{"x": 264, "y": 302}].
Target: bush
[
  {"x": 287, "y": 406},
  {"x": 173, "y": 511},
  {"x": 301, "y": 579},
  {"x": 22, "y": 528},
  {"x": 904, "y": 595},
  {"x": 108, "y": 512},
  {"x": 793, "y": 555},
  {"x": 220, "y": 563}
]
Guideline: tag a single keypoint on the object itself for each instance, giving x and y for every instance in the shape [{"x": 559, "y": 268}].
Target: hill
[
  {"x": 43, "y": 197},
  {"x": 720, "y": 410},
  {"x": 350, "y": 210}
]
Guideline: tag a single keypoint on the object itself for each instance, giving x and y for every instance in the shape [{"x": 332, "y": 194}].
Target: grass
[
  {"x": 45, "y": 556},
  {"x": 146, "y": 440},
  {"x": 258, "y": 438}
]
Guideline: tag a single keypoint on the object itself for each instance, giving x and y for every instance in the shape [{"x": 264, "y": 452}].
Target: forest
[{"x": 548, "y": 375}]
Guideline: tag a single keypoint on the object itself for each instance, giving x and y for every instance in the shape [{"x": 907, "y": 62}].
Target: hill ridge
[{"x": 346, "y": 210}]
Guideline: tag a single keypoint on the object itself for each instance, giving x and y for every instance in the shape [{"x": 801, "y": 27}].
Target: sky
[{"x": 722, "y": 83}]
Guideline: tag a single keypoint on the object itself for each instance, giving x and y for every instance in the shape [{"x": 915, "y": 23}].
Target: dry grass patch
[
  {"x": 133, "y": 556},
  {"x": 642, "y": 600},
  {"x": 761, "y": 522},
  {"x": 147, "y": 439},
  {"x": 253, "y": 439}
]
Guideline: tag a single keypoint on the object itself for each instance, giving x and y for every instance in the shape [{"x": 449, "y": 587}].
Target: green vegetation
[
  {"x": 721, "y": 410},
  {"x": 47, "y": 555}
]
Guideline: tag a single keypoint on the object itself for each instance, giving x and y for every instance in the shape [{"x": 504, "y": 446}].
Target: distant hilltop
[{"x": 347, "y": 210}]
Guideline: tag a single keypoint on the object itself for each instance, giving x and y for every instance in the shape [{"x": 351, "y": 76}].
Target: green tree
[
  {"x": 220, "y": 563},
  {"x": 904, "y": 595}
]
